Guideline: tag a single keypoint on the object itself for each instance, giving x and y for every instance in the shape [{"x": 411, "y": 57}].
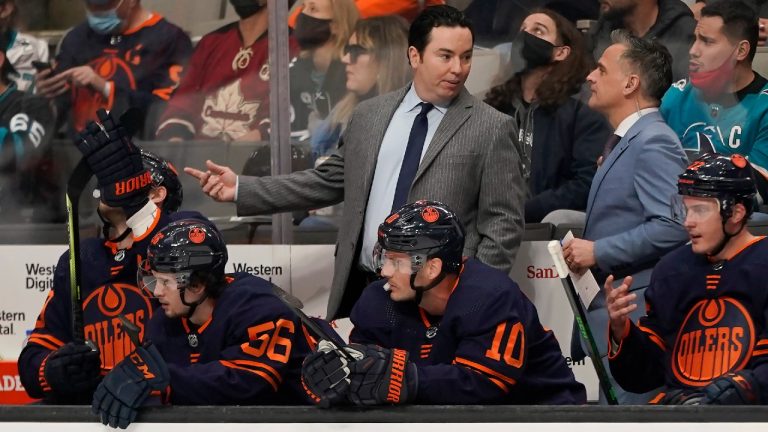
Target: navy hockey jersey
[
  {"x": 143, "y": 64},
  {"x": 703, "y": 320},
  {"x": 488, "y": 347},
  {"x": 249, "y": 352},
  {"x": 109, "y": 288}
]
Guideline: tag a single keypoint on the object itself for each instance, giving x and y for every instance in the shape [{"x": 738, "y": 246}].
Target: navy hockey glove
[
  {"x": 381, "y": 376},
  {"x": 116, "y": 163},
  {"x": 128, "y": 385},
  {"x": 73, "y": 372},
  {"x": 325, "y": 375},
  {"x": 682, "y": 397},
  {"x": 739, "y": 388}
]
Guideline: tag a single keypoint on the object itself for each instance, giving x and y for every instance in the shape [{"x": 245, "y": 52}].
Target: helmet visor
[
  {"x": 400, "y": 262},
  {"x": 151, "y": 281},
  {"x": 695, "y": 211}
]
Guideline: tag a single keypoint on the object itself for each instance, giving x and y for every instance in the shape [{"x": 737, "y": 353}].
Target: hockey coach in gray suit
[{"x": 431, "y": 140}]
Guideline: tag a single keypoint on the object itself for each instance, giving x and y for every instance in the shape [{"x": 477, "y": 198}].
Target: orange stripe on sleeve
[
  {"x": 260, "y": 365},
  {"x": 257, "y": 372},
  {"x": 655, "y": 338},
  {"x": 760, "y": 352},
  {"x": 485, "y": 370}
]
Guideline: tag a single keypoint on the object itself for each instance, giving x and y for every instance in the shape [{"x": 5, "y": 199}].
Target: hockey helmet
[
  {"x": 164, "y": 174},
  {"x": 192, "y": 249},
  {"x": 424, "y": 230},
  {"x": 726, "y": 178}
]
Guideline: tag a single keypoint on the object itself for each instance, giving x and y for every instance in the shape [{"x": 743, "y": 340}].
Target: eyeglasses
[{"x": 354, "y": 52}]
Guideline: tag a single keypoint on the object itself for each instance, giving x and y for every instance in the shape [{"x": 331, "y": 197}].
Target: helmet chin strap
[
  {"x": 107, "y": 226},
  {"x": 726, "y": 238},
  {"x": 421, "y": 289},
  {"x": 192, "y": 305}
]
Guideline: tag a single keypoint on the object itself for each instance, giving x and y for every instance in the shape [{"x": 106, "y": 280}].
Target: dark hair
[
  {"x": 651, "y": 61},
  {"x": 740, "y": 21},
  {"x": 435, "y": 16},
  {"x": 564, "y": 79}
]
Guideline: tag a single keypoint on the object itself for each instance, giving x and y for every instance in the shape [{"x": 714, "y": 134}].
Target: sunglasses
[{"x": 354, "y": 52}]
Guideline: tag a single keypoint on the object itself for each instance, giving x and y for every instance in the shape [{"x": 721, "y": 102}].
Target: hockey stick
[
  {"x": 580, "y": 314},
  {"x": 77, "y": 182},
  {"x": 79, "y": 178},
  {"x": 295, "y": 305}
]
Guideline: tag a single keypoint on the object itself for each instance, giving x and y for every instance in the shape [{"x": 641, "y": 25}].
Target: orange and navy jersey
[
  {"x": 488, "y": 347},
  {"x": 143, "y": 65},
  {"x": 703, "y": 320},
  {"x": 109, "y": 289},
  {"x": 249, "y": 352},
  {"x": 224, "y": 93}
]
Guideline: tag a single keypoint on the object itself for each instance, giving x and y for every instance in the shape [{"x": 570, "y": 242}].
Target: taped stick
[{"x": 556, "y": 251}]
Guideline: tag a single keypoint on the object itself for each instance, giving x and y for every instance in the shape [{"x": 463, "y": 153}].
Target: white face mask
[{"x": 106, "y": 22}]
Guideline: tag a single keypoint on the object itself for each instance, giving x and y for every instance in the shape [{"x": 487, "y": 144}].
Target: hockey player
[
  {"x": 219, "y": 339},
  {"x": 23, "y": 49},
  {"x": 723, "y": 106},
  {"x": 28, "y": 186},
  {"x": 440, "y": 329},
  {"x": 123, "y": 56},
  {"x": 704, "y": 335},
  {"x": 52, "y": 365},
  {"x": 224, "y": 94}
]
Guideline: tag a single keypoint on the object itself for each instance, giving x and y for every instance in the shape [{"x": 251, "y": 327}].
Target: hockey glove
[
  {"x": 325, "y": 375},
  {"x": 116, "y": 163},
  {"x": 681, "y": 397},
  {"x": 381, "y": 376},
  {"x": 128, "y": 385},
  {"x": 73, "y": 372},
  {"x": 739, "y": 388}
]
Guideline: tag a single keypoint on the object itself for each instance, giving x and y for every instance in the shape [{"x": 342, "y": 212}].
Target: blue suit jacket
[{"x": 628, "y": 212}]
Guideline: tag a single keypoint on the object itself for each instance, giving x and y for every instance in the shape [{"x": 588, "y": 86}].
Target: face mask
[
  {"x": 714, "y": 82},
  {"x": 106, "y": 22},
  {"x": 534, "y": 51},
  {"x": 311, "y": 32},
  {"x": 247, "y": 8}
]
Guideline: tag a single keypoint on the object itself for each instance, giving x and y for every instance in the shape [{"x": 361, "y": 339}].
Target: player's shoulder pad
[
  {"x": 483, "y": 289},
  {"x": 252, "y": 294},
  {"x": 187, "y": 214}
]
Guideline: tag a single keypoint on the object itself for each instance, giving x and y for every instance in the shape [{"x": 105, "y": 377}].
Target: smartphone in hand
[{"x": 41, "y": 66}]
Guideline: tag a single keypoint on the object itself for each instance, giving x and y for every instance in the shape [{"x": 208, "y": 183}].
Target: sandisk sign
[{"x": 11, "y": 390}]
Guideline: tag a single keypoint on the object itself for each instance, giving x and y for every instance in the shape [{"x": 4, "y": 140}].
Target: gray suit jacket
[
  {"x": 472, "y": 164},
  {"x": 628, "y": 211}
]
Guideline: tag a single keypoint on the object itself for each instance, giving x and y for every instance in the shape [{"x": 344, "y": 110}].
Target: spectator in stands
[
  {"x": 561, "y": 137},
  {"x": 669, "y": 21},
  {"x": 23, "y": 49},
  {"x": 123, "y": 56},
  {"x": 762, "y": 11},
  {"x": 498, "y": 21},
  {"x": 407, "y": 9},
  {"x": 224, "y": 94},
  {"x": 373, "y": 59},
  {"x": 317, "y": 77},
  {"x": 723, "y": 107},
  {"x": 629, "y": 225},
  {"x": 29, "y": 186},
  {"x": 431, "y": 139}
]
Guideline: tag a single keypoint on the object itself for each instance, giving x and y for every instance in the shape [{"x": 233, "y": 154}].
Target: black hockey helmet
[
  {"x": 164, "y": 174},
  {"x": 428, "y": 228},
  {"x": 192, "y": 249},
  {"x": 726, "y": 178}
]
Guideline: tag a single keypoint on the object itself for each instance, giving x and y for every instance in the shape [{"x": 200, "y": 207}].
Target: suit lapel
[
  {"x": 614, "y": 156},
  {"x": 458, "y": 113},
  {"x": 377, "y": 127}
]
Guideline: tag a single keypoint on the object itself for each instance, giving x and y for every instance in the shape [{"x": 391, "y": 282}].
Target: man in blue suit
[{"x": 629, "y": 225}]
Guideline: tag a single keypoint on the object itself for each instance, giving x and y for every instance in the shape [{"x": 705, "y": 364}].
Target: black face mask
[
  {"x": 532, "y": 50},
  {"x": 311, "y": 32},
  {"x": 247, "y": 8}
]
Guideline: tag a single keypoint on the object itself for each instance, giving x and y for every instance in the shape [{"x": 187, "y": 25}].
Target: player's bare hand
[
  {"x": 49, "y": 85},
  {"x": 85, "y": 76},
  {"x": 217, "y": 181},
  {"x": 579, "y": 254},
  {"x": 620, "y": 303}
]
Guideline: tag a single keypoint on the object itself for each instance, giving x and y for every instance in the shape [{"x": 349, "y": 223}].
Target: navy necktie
[
  {"x": 412, "y": 156},
  {"x": 609, "y": 145}
]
